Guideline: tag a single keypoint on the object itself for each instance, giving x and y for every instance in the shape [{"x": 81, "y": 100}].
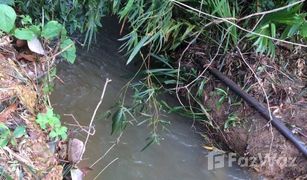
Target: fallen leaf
[
  {"x": 2, "y": 57},
  {"x": 26, "y": 96},
  {"x": 28, "y": 57},
  {"x": 5, "y": 114},
  {"x": 55, "y": 173},
  {"x": 209, "y": 148},
  {"x": 36, "y": 46}
]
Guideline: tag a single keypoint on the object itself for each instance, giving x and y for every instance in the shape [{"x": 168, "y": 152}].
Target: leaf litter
[{"x": 29, "y": 156}]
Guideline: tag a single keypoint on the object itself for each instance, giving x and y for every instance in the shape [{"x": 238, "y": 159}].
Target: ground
[
  {"x": 284, "y": 80},
  {"x": 30, "y": 154}
]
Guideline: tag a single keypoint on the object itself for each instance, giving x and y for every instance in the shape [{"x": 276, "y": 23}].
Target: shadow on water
[{"x": 180, "y": 155}]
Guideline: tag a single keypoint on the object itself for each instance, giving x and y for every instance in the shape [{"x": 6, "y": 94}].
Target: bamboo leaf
[{"x": 137, "y": 48}]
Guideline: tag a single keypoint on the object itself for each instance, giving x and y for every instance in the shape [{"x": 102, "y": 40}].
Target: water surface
[{"x": 180, "y": 155}]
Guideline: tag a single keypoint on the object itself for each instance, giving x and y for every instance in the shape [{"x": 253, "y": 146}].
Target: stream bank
[
  {"x": 26, "y": 150},
  {"x": 238, "y": 128}
]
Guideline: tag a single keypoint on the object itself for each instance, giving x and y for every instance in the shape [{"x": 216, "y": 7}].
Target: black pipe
[{"x": 277, "y": 123}]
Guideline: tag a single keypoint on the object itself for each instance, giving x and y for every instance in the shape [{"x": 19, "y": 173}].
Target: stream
[{"x": 180, "y": 155}]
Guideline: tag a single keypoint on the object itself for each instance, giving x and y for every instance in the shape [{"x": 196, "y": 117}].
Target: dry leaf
[
  {"x": 36, "y": 46},
  {"x": 2, "y": 57},
  {"x": 27, "y": 96},
  {"x": 28, "y": 57},
  {"x": 5, "y": 114}
]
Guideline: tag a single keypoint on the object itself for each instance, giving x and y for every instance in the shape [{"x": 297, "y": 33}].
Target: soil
[{"x": 284, "y": 80}]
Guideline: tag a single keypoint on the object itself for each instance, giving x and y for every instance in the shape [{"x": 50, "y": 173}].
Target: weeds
[
  {"x": 7, "y": 137},
  {"x": 29, "y": 31},
  {"x": 51, "y": 121},
  {"x": 161, "y": 27}
]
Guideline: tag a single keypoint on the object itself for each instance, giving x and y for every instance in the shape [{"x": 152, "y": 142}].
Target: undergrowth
[{"x": 158, "y": 28}]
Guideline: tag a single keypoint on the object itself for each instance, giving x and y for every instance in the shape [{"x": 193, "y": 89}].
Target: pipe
[{"x": 277, "y": 123}]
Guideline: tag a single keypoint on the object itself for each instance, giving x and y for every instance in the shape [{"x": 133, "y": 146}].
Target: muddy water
[{"x": 180, "y": 155}]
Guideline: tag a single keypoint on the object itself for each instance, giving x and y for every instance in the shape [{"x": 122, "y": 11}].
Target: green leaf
[
  {"x": 127, "y": 8},
  {"x": 52, "y": 29},
  {"x": 137, "y": 48},
  {"x": 3, "y": 142},
  {"x": 303, "y": 30},
  {"x": 118, "y": 121},
  {"x": 26, "y": 19},
  {"x": 8, "y": 2},
  {"x": 53, "y": 134},
  {"x": 13, "y": 141},
  {"x": 7, "y": 18},
  {"x": 41, "y": 120},
  {"x": 69, "y": 48},
  {"x": 63, "y": 132},
  {"x": 24, "y": 34},
  {"x": 19, "y": 131},
  {"x": 273, "y": 30},
  {"x": 35, "y": 29}
]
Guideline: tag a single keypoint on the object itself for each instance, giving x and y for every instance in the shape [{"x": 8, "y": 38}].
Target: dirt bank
[
  {"x": 27, "y": 152},
  {"x": 241, "y": 129}
]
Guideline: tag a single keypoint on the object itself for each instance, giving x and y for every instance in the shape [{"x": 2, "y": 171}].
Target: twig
[
  {"x": 105, "y": 168},
  {"x": 94, "y": 115},
  {"x": 236, "y": 25},
  {"x": 271, "y": 11},
  {"x": 265, "y": 94},
  {"x": 179, "y": 66},
  {"x": 81, "y": 127},
  {"x": 63, "y": 50},
  {"x": 104, "y": 155}
]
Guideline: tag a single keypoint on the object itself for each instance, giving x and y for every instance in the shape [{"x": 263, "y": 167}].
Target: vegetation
[
  {"x": 160, "y": 35},
  {"x": 50, "y": 120},
  {"x": 27, "y": 43},
  {"x": 24, "y": 29},
  {"x": 6, "y": 136},
  {"x": 166, "y": 26}
]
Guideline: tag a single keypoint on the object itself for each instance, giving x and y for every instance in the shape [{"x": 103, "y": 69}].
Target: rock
[{"x": 75, "y": 150}]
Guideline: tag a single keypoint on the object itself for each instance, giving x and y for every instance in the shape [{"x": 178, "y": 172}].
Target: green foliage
[
  {"x": 119, "y": 120},
  {"x": 52, "y": 29},
  {"x": 291, "y": 23},
  {"x": 223, "y": 96},
  {"x": 222, "y": 8},
  {"x": 24, "y": 34},
  {"x": 48, "y": 83},
  {"x": 51, "y": 121},
  {"x": 76, "y": 16},
  {"x": 161, "y": 27},
  {"x": 28, "y": 31},
  {"x": 69, "y": 50},
  {"x": 231, "y": 121},
  {"x": 7, "y": 18},
  {"x": 152, "y": 25},
  {"x": 7, "y": 137}
]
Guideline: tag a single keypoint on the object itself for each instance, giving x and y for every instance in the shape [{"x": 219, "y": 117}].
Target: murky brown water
[{"x": 180, "y": 155}]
